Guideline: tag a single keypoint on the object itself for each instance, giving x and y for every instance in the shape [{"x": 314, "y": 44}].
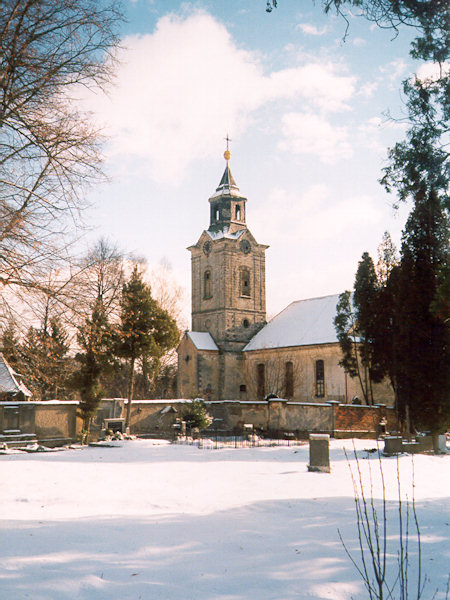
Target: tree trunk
[
  {"x": 358, "y": 370},
  {"x": 130, "y": 395},
  {"x": 407, "y": 423}
]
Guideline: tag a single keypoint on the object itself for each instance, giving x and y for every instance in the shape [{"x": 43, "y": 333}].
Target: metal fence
[{"x": 216, "y": 440}]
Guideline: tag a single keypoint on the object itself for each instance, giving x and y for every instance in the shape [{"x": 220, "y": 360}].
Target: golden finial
[{"x": 227, "y": 153}]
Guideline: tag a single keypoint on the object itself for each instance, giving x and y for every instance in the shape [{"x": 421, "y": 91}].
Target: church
[{"x": 232, "y": 353}]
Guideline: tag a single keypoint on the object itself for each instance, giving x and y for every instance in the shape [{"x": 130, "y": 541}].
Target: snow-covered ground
[{"x": 155, "y": 521}]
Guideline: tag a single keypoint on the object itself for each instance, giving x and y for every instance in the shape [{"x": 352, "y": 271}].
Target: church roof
[
  {"x": 227, "y": 185},
  {"x": 302, "y": 323},
  {"x": 10, "y": 380},
  {"x": 202, "y": 340}
]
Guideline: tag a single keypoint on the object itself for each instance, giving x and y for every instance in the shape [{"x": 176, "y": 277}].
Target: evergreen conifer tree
[
  {"x": 421, "y": 340},
  {"x": 355, "y": 324},
  {"x": 95, "y": 340},
  {"x": 45, "y": 361},
  {"x": 146, "y": 331},
  {"x": 10, "y": 345}
]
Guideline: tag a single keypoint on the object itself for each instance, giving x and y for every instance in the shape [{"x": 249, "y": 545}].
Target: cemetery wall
[
  {"x": 51, "y": 423},
  {"x": 277, "y": 415},
  {"x": 57, "y": 421}
]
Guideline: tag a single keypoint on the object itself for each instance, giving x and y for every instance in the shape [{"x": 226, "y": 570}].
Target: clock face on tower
[
  {"x": 207, "y": 248},
  {"x": 245, "y": 246}
]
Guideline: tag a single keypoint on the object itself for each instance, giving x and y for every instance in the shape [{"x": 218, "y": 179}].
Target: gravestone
[
  {"x": 442, "y": 444},
  {"x": 425, "y": 442},
  {"x": 319, "y": 452},
  {"x": 393, "y": 444}
]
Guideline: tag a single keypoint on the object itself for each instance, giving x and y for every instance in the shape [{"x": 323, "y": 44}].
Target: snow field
[{"x": 157, "y": 521}]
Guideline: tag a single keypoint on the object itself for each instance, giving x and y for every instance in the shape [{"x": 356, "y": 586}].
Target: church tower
[
  {"x": 228, "y": 299},
  {"x": 228, "y": 271}
]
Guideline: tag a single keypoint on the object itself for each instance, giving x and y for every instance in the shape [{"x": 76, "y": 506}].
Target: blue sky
[{"x": 306, "y": 115}]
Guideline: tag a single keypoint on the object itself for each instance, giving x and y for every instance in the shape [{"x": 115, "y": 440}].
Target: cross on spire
[{"x": 227, "y": 153}]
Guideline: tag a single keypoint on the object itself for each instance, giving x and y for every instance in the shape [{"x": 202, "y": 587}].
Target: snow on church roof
[
  {"x": 225, "y": 233},
  {"x": 227, "y": 185},
  {"x": 302, "y": 323},
  {"x": 202, "y": 340}
]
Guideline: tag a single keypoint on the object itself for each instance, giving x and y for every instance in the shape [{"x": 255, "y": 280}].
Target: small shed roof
[
  {"x": 202, "y": 340},
  {"x": 10, "y": 381},
  {"x": 302, "y": 323}
]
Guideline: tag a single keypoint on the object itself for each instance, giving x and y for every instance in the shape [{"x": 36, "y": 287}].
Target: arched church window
[
  {"x": 216, "y": 214},
  {"x": 289, "y": 380},
  {"x": 207, "y": 292},
  {"x": 261, "y": 380},
  {"x": 238, "y": 212},
  {"x": 245, "y": 283},
  {"x": 320, "y": 379}
]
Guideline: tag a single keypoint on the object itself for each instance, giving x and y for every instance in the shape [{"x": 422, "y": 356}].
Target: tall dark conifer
[
  {"x": 356, "y": 328},
  {"x": 422, "y": 344}
]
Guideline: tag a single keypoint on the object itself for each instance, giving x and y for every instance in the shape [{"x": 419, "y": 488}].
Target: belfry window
[
  {"x": 245, "y": 283},
  {"x": 207, "y": 293},
  {"x": 238, "y": 212},
  {"x": 216, "y": 214},
  {"x": 320, "y": 379},
  {"x": 261, "y": 380},
  {"x": 289, "y": 380}
]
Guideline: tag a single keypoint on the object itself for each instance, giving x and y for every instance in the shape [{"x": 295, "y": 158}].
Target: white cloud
[
  {"x": 432, "y": 71},
  {"x": 311, "y": 29},
  {"x": 307, "y": 133},
  {"x": 316, "y": 214},
  {"x": 395, "y": 69},
  {"x": 368, "y": 89},
  {"x": 359, "y": 42},
  {"x": 318, "y": 83},
  {"x": 181, "y": 88},
  {"x": 304, "y": 226}
]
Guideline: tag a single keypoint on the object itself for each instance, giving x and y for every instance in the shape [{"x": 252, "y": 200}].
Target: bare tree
[
  {"x": 380, "y": 538},
  {"x": 388, "y": 258},
  {"x": 169, "y": 294},
  {"x": 99, "y": 276},
  {"x": 48, "y": 150}
]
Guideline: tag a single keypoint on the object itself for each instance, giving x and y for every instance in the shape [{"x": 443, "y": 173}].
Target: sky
[{"x": 305, "y": 110}]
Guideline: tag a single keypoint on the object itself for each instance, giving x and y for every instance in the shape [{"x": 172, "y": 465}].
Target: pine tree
[
  {"x": 146, "y": 331},
  {"x": 95, "y": 340},
  {"x": 57, "y": 355},
  {"x": 355, "y": 324},
  {"x": 10, "y": 345},
  {"x": 44, "y": 360},
  {"x": 347, "y": 334}
]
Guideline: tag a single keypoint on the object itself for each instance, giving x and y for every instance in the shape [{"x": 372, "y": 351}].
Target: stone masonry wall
[
  {"x": 156, "y": 417},
  {"x": 57, "y": 421},
  {"x": 354, "y": 417}
]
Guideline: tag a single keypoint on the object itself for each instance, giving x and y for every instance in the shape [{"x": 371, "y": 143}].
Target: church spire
[
  {"x": 227, "y": 183},
  {"x": 227, "y": 203}
]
